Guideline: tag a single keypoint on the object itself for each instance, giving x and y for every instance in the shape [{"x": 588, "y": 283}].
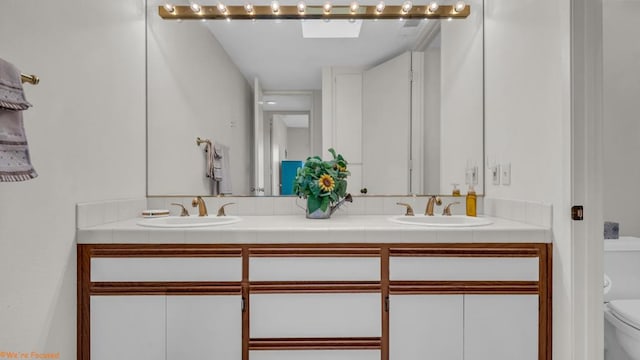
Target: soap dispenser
[
  {"x": 471, "y": 201},
  {"x": 456, "y": 191}
]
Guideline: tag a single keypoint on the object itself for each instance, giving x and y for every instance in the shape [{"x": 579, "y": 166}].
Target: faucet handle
[
  {"x": 184, "y": 211},
  {"x": 221, "y": 209},
  {"x": 409, "y": 208},
  {"x": 447, "y": 209}
]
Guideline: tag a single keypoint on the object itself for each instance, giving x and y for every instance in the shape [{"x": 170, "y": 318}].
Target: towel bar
[{"x": 31, "y": 79}]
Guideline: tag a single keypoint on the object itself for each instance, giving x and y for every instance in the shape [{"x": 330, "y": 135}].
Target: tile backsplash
[
  {"x": 530, "y": 212},
  {"x": 361, "y": 205},
  {"x": 102, "y": 212}
]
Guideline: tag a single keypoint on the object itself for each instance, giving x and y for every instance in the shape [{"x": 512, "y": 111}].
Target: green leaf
[
  {"x": 333, "y": 152},
  {"x": 325, "y": 204},
  {"x": 313, "y": 204}
]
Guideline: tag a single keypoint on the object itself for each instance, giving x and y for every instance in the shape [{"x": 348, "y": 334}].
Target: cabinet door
[
  {"x": 127, "y": 327},
  {"x": 426, "y": 327},
  {"x": 204, "y": 325},
  {"x": 501, "y": 327}
]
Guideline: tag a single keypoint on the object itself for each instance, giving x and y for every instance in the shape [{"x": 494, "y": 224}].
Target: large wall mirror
[{"x": 402, "y": 100}]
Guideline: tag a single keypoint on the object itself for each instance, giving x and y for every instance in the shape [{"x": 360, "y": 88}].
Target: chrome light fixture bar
[{"x": 286, "y": 12}]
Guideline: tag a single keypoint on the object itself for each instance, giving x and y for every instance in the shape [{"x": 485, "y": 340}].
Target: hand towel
[
  {"x": 221, "y": 169},
  {"x": 15, "y": 163},
  {"x": 217, "y": 162},
  {"x": 225, "y": 183},
  {"x": 208, "y": 149}
]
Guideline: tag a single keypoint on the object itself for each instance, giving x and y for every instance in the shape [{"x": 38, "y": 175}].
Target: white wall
[
  {"x": 621, "y": 119},
  {"x": 527, "y": 124},
  {"x": 86, "y": 134},
  {"x": 194, "y": 90}
]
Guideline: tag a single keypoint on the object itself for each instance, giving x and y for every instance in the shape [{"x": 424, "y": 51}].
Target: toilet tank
[{"x": 622, "y": 265}]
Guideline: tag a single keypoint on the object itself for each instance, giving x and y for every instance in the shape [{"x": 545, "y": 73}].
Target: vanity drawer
[
  {"x": 314, "y": 269},
  {"x": 166, "y": 269},
  {"x": 464, "y": 268},
  {"x": 315, "y": 355},
  {"x": 315, "y": 315}
]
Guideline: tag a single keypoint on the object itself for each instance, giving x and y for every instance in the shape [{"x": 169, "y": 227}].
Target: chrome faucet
[
  {"x": 202, "y": 207},
  {"x": 433, "y": 200},
  {"x": 447, "y": 209}
]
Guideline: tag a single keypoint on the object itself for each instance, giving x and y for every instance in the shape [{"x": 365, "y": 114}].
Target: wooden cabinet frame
[{"x": 385, "y": 286}]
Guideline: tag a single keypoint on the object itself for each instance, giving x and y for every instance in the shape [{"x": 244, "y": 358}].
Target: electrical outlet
[
  {"x": 495, "y": 174},
  {"x": 471, "y": 175},
  {"x": 506, "y": 174}
]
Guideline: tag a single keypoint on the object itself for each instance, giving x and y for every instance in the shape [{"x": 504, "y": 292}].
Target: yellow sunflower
[
  {"x": 342, "y": 168},
  {"x": 326, "y": 183}
]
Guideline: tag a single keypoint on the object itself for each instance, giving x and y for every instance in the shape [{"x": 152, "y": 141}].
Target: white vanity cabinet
[
  {"x": 366, "y": 301},
  {"x": 166, "y": 302},
  {"x": 165, "y": 327},
  {"x": 464, "y": 307},
  {"x": 127, "y": 327},
  {"x": 501, "y": 327},
  {"x": 205, "y": 326},
  {"x": 426, "y": 327}
]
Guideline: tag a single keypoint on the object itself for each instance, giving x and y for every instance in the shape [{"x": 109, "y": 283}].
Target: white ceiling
[
  {"x": 286, "y": 102},
  {"x": 276, "y": 52},
  {"x": 296, "y": 121}
]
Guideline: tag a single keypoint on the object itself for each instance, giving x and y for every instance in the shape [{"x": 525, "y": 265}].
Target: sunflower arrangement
[{"x": 322, "y": 183}]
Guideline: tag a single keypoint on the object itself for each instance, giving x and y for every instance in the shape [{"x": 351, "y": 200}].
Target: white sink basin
[
  {"x": 441, "y": 221},
  {"x": 188, "y": 221}
]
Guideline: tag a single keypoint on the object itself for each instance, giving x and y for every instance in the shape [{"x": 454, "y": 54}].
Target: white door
[
  {"x": 426, "y": 327},
  {"x": 501, "y": 327},
  {"x": 127, "y": 327},
  {"x": 258, "y": 140},
  {"x": 204, "y": 327},
  {"x": 386, "y": 126}
]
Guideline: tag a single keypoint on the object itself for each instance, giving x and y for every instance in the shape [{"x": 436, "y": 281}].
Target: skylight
[{"x": 320, "y": 29}]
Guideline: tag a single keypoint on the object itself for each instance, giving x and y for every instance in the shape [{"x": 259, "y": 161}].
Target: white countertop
[{"x": 297, "y": 229}]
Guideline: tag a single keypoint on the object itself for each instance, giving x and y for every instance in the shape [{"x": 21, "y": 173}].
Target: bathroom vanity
[{"x": 283, "y": 287}]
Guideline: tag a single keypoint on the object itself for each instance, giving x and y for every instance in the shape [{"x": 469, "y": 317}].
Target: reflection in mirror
[{"x": 401, "y": 100}]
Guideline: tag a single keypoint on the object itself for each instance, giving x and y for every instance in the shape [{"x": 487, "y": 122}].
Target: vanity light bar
[{"x": 287, "y": 12}]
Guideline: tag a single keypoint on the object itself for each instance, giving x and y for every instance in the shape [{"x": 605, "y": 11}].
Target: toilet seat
[{"x": 627, "y": 311}]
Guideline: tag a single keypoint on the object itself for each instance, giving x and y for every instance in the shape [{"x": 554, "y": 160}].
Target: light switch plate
[
  {"x": 495, "y": 174},
  {"x": 506, "y": 174},
  {"x": 471, "y": 175}
]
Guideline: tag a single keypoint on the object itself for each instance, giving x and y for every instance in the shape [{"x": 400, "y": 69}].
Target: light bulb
[
  {"x": 195, "y": 7},
  {"x": 248, "y": 7},
  {"x": 380, "y": 7},
  {"x": 275, "y": 6},
  {"x": 433, "y": 6},
  {"x": 302, "y": 7},
  {"x": 406, "y": 6},
  {"x": 327, "y": 7},
  {"x": 170, "y": 8},
  {"x": 222, "y": 8},
  {"x": 354, "y": 6},
  {"x": 459, "y": 6}
]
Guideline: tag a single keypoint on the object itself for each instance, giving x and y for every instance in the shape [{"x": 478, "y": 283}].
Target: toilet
[{"x": 622, "y": 298}]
